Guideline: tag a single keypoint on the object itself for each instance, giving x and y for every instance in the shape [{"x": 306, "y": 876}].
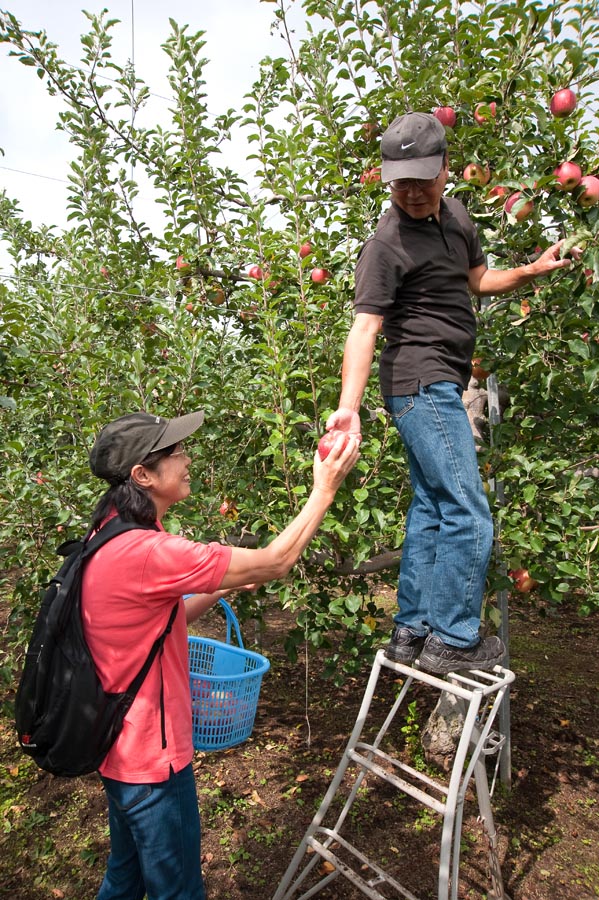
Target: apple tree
[{"x": 241, "y": 300}]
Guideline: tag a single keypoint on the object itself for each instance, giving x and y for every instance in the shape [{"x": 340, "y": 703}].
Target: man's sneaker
[
  {"x": 405, "y": 645},
  {"x": 440, "y": 658}
]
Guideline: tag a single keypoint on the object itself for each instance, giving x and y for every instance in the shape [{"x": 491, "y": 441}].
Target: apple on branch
[
  {"x": 480, "y": 117},
  {"x": 588, "y": 191},
  {"x": 305, "y": 250},
  {"x": 181, "y": 263},
  {"x": 523, "y": 581},
  {"x": 256, "y": 272},
  {"x": 568, "y": 176},
  {"x": 497, "y": 192},
  {"x": 370, "y": 176},
  {"x": 446, "y": 116},
  {"x": 476, "y": 175},
  {"x": 522, "y": 206},
  {"x": 563, "y": 103},
  {"x": 319, "y": 276},
  {"x": 479, "y": 370}
]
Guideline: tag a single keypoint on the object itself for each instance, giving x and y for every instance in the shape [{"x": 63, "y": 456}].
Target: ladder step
[
  {"x": 368, "y": 889},
  {"x": 401, "y": 783}
]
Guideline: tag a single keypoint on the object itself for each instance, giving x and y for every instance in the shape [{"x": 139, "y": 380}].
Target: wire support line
[{"x": 35, "y": 174}]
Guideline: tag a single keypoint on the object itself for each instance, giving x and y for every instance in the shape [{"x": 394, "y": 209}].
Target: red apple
[
  {"x": 479, "y": 117},
  {"x": 525, "y": 206},
  {"x": 563, "y": 103},
  {"x": 217, "y": 296},
  {"x": 478, "y": 370},
  {"x": 256, "y": 272},
  {"x": 105, "y": 273},
  {"x": 476, "y": 174},
  {"x": 497, "y": 193},
  {"x": 589, "y": 277},
  {"x": 568, "y": 176},
  {"x": 189, "y": 307},
  {"x": 305, "y": 250},
  {"x": 327, "y": 440},
  {"x": 181, "y": 263},
  {"x": 446, "y": 116},
  {"x": 588, "y": 191},
  {"x": 523, "y": 581},
  {"x": 525, "y": 309},
  {"x": 371, "y": 130},
  {"x": 319, "y": 276},
  {"x": 370, "y": 176},
  {"x": 228, "y": 508}
]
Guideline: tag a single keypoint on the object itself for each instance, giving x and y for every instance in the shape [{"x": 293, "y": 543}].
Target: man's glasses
[{"x": 404, "y": 184}]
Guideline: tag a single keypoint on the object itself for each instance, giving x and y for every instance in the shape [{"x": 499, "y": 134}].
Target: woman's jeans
[
  {"x": 154, "y": 840},
  {"x": 449, "y": 528}
]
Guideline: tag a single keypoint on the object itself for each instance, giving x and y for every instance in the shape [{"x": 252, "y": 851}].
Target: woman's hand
[{"x": 330, "y": 473}]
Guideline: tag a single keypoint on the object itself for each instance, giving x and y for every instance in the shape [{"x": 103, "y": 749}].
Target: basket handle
[{"x": 231, "y": 621}]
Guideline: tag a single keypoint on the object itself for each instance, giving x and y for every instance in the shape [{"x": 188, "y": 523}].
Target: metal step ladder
[{"x": 324, "y": 854}]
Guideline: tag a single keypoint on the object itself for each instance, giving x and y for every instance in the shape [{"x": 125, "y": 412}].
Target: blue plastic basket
[{"x": 225, "y": 685}]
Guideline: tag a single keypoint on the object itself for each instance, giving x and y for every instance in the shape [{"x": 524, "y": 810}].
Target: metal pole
[{"x": 505, "y": 762}]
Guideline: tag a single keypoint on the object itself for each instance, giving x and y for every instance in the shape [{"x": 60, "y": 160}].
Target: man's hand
[
  {"x": 344, "y": 419},
  {"x": 550, "y": 259}
]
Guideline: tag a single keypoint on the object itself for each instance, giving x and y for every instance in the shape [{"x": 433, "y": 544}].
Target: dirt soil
[{"x": 258, "y": 799}]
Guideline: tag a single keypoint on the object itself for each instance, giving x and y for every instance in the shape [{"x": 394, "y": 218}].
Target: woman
[{"x": 129, "y": 589}]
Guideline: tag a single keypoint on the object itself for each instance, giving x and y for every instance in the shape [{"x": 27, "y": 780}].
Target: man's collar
[{"x": 406, "y": 219}]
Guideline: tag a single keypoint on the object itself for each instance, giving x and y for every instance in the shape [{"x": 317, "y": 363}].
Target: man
[{"x": 413, "y": 279}]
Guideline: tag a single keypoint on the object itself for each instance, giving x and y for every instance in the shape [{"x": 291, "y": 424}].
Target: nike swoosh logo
[{"x": 405, "y": 146}]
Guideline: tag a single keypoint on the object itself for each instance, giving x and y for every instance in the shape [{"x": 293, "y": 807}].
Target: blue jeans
[
  {"x": 449, "y": 528},
  {"x": 154, "y": 840}
]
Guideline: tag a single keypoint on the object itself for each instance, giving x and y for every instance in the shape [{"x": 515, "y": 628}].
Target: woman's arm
[{"x": 275, "y": 560}]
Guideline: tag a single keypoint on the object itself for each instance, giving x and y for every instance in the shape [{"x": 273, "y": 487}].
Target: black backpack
[{"x": 64, "y": 718}]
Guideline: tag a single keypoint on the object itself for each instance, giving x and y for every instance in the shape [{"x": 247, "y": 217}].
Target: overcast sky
[{"x": 238, "y": 37}]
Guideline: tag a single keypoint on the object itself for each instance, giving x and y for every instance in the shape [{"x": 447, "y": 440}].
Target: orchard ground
[{"x": 257, "y": 799}]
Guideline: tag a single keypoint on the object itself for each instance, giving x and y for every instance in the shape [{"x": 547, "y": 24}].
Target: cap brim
[
  {"x": 179, "y": 429},
  {"x": 421, "y": 167}
]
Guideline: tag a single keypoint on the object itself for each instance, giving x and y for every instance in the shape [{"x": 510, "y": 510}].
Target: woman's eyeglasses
[{"x": 180, "y": 452}]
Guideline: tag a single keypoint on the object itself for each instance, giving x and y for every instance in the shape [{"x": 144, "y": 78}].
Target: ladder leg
[
  {"x": 486, "y": 815},
  {"x": 282, "y": 890}
]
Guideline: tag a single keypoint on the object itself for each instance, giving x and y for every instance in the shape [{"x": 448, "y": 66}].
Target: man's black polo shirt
[{"x": 414, "y": 272}]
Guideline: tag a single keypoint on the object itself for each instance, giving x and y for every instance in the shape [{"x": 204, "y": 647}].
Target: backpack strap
[{"x": 111, "y": 529}]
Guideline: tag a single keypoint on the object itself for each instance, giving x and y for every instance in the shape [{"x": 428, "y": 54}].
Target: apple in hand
[
  {"x": 446, "y": 116},
  {"x": 476, "y": 174},
  {"x": 305, "y": 250},
  {"x": 563, "y": 103},
  {"x": 319, "y": 276},
  {"x": 589, "y": 191},
  {"x": 525, "y": 209},
  {"x": 568, "y": 176},
  {"x": 480, "y": 117},
  {"x": 326, "y": 442},
  {"x": 523, "y": 581}
]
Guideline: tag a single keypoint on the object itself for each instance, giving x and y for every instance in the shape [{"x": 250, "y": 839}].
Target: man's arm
[
  {"x": 483, "y": 282},
  {"x": 357, "y": 362}
]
